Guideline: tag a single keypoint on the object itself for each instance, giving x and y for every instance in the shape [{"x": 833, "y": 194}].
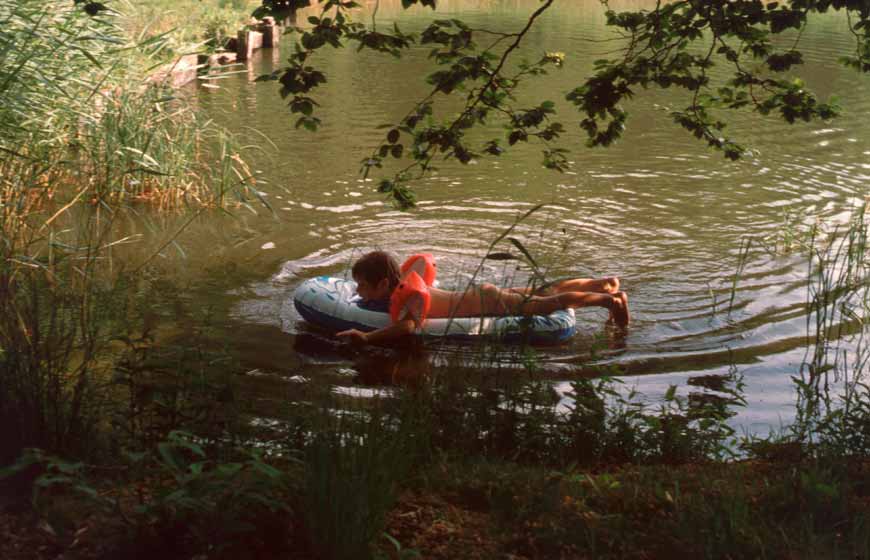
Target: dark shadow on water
[{"x": 374, "y": 365}]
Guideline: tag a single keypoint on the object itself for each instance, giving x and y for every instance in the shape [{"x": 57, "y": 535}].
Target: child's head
[{"x": 376, "y": 274}]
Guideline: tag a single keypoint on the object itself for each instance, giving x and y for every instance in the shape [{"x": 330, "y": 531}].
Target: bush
[
  {"x": 184, "y": 501},
  {"x": 219, "y": 28}
]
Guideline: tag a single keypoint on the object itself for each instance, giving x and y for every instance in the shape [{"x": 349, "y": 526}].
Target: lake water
[{"x": 658, "y": 209}]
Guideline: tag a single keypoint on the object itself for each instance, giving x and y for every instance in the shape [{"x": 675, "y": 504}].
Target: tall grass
[
  {"x": 355, "y": 463},
  {"x": 832, "y": 410},
  {"x": 84, "y": 135}
]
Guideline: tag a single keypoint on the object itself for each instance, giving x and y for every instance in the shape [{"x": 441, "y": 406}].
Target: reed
[
  {"x": 85, "y": 138},
  {"x": 831, "y": 409}
]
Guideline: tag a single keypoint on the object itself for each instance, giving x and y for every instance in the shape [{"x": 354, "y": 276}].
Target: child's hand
[{"x": 353, "y": 336}]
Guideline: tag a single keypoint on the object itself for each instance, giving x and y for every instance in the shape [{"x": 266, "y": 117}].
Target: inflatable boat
[{"x": 332, "y": 303}]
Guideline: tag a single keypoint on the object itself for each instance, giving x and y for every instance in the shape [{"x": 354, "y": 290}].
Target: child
[{"x": 378, "y": 275}]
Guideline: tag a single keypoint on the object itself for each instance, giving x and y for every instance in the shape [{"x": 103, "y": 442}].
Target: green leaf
[
  {"x": 267, "y": 470},
  {"x": 28, "y": 458},
  {"x": 167, "y": 452},
  {"x": 66, "y": 468},
  {"x": 87, "y": 490},
  {"x": 518, "y": 244},
  {"x": 46, "y": 481},
  {"x": 229, "y": 469},
  {"x": 500, "y": 256},
  {"x": 135, "y": 457}
]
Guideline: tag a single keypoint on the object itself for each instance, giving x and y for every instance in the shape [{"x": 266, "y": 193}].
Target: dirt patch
[{"x": 439, "y": 527}]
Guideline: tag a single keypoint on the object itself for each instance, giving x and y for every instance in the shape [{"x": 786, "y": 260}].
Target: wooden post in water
[
  {"x": 249, "y": 41},
  {"x": 271, "y": 33}
]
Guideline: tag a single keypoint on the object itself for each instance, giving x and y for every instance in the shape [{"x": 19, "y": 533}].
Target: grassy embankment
[
  {"x": 186, "y": 23},
  {"x": 158, "y": 458}
]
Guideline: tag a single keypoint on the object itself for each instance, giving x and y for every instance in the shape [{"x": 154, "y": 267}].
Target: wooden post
[
  {"x": 249, "y": 41},
  {"x": 271, "y": 33}
]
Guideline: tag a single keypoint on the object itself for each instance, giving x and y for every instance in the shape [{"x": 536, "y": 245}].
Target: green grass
[
  {"x": 187, "y": 23},
  {"x": 752, "y": 509}
]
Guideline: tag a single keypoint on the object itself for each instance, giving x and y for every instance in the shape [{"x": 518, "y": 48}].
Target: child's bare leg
[
  {"x": 607, "y": 285},
  {"x": 509, "y": 303},
  {"x": 489, "y": 300}
]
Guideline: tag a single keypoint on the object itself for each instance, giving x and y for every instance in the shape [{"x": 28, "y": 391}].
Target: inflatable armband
[
  {"x": 423, "y": 264},
  {"x": 411, "y": 297}
]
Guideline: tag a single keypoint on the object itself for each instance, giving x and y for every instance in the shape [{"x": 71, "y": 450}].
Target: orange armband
[
  {"x": 411, "y": 297},
  {"x": 423, "y": 264}
]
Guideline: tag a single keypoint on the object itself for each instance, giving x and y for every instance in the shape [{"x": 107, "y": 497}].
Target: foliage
[
  {"x": 181, "y": 25},
  {"x": 75, "y": 113},
  {"x": 675, "y": 44},
  {"x": 75, "y": 128},
  {"x": 466, "y": 67},
  {"x": 219, "y": 28},
  {"x": 280, "y": 9},
  {"x": 353, "y": 468},
  {"x": 212, "y": 502},
  {"x": 57, "y": 46},
  {"x": 192, "y": 502},
  {"x": 739, "y": 510},
  {"x": 51, "y": 388},
  {"x": 237, "y": 5},
  {"x": 48, "y": 335},
  {"x": 600, "y": 424},
  {"x": 604, "y": 476}
]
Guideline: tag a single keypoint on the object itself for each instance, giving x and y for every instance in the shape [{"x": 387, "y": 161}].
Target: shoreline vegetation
[{"x": 120, "y": 443}]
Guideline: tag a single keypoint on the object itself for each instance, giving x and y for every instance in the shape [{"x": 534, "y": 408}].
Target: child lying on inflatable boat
[{"x": 411, "y": 297}]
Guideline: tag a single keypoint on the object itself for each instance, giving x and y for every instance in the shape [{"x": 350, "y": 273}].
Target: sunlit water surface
[{"x": 658, "y": 209}]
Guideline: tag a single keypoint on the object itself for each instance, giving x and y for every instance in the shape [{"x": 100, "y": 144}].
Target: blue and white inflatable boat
[{"x": 333, "y": 303}]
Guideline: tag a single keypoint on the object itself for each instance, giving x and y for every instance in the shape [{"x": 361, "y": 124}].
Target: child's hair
[{"x": 375, "y": 266}]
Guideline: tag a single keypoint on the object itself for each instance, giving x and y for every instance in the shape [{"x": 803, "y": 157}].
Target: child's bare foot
[
  {"x": 619, "y": 313},
  {"x": 610, "y": 285}
]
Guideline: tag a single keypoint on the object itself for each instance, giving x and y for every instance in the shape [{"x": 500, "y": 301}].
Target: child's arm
[{"x": 398, "y": 329}]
